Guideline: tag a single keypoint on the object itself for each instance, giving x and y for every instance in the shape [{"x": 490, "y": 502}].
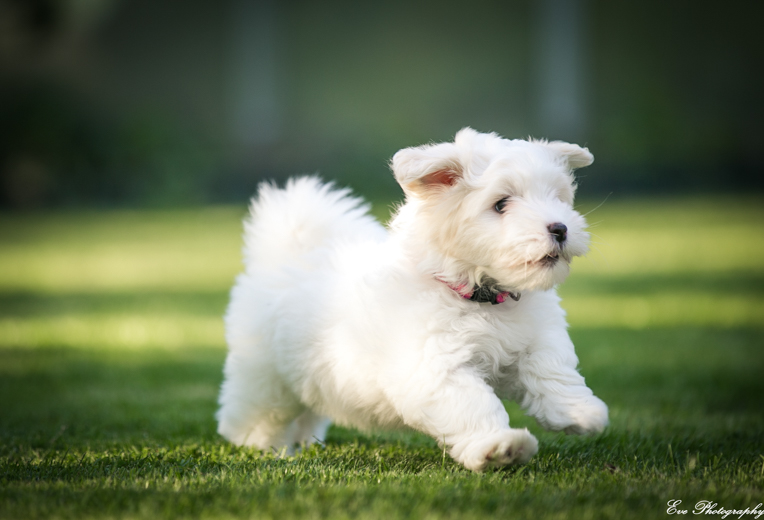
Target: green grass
[{"x": 111, "y": 348}]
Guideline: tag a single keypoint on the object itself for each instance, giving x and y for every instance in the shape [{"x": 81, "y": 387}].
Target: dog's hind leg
[
  {"x": 256, "y": 407},
  {"x": 308, "y": 428}
]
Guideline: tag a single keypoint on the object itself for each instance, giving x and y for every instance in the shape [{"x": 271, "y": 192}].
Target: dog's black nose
[{"x": 559, "y": 230}]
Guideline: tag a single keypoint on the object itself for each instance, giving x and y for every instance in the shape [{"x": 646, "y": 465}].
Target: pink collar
[{"x": 483, "y": 293}]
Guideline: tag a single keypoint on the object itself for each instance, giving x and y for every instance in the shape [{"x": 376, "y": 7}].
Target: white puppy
[{"x": 426, "y": 325}]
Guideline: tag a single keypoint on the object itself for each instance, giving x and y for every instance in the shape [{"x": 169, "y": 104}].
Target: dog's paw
[
  {"x": 512, "y": 446},
  {"x": 589, "y": 417}
]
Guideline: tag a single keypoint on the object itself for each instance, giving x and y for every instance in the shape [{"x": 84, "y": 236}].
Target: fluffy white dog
[{"x": 425, "y": 325}]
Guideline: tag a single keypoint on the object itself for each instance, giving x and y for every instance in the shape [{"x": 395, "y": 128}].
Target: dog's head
[{"x": 494, "y": 209}]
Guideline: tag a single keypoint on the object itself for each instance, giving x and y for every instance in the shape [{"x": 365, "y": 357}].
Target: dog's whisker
[
  {"x": 604, "y": 241},
  {"x": 598, "y": 205}
]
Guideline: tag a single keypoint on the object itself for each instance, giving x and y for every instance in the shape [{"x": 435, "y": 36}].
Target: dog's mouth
[{"x": 551, "y": 259}]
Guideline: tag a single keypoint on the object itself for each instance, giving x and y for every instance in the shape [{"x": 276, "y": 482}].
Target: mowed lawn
[{"x": 111, "y": 348}]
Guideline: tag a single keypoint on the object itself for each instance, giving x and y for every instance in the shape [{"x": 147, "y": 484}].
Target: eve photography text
[{"x": 708, "y": 507}]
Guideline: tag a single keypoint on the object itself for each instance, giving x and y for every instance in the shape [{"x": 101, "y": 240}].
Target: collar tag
[{"x": 484, "y": 294}]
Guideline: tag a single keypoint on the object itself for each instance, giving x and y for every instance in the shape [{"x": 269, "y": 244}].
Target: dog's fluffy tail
[{"x": 286, "y": 223}]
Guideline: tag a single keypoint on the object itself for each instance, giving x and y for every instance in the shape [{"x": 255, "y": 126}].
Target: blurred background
[
  {"x": 144, "y": 103},
  {"x": 132, "y": 133}
]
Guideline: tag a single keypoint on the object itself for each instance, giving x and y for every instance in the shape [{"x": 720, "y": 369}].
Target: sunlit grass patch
[
  {"x": 111, "y": 320},
  {"x": 124, "y": 331},
  {"x": 181, "y": 250},
  {"x": 666, "y": 310},
  {"x": 655, "y": 236}
]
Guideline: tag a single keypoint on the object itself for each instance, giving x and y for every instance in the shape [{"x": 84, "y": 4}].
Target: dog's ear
[
  {"x": 427, "y": 169},
  {"x": 575, "y": 156}
]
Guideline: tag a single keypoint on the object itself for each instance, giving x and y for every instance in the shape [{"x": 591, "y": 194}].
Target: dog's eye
[{"x": 499, "y": 207}]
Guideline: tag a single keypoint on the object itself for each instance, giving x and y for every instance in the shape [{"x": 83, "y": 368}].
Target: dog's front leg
[
  {"x": 463, "y": 412},
  {"x": 554, "y": 392}
]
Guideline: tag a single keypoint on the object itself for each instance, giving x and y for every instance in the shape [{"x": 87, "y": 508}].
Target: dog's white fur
[{"x": 335, "y": 317}]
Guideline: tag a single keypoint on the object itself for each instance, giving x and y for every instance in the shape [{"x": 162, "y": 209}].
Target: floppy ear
[
  {"x": 427, "y": 169},
  {"x": 574, "y": 155}
]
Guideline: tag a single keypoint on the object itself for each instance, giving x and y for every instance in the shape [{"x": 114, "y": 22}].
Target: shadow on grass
[
  {"x": 28, "y": 304},
  {"x": 31, "y": 304},
  {"x": 721, "y": 282},
  {"x": 675, "y": 370},
  {"x": 63, "y": 396}
]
